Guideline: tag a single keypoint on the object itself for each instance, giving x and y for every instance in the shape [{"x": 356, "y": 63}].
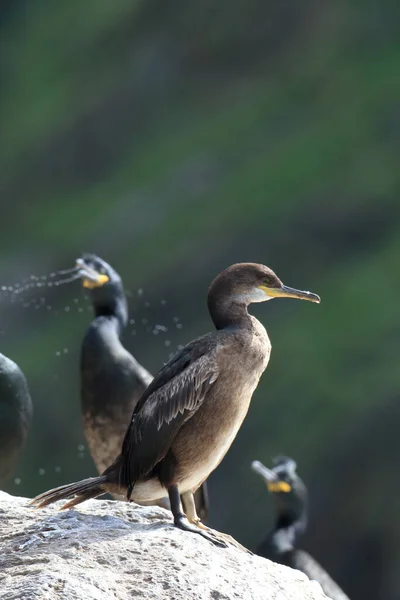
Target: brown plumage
[{"x": 189, "y": 415}]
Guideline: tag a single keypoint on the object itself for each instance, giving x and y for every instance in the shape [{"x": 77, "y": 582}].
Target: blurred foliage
[{"x": 174, "y": 139}]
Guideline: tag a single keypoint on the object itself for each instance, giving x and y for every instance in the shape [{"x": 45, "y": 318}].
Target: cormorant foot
[
  {"x": 228, "y": 539},
  {"x": 183, "y": 523}
]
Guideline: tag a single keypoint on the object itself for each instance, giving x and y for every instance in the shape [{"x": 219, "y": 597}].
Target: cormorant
[
  {"x": 112, "y": 381},
  {"x": 15, "y": 414},
  {"x": 189, "y": 415},
  {"x": 290, "y": 495}
]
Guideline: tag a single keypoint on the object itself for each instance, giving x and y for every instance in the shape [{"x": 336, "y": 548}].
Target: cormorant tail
[{"x": 83, "y": 490}]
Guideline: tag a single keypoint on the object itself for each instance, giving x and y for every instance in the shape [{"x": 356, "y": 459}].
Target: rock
[{"x": 113, "y": 550}]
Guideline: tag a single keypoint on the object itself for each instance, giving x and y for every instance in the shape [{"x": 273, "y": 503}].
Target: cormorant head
[
  {"x": 103, "y": 284},
  {"x": 288, "y": 490},
  {"x": 252, "y": 282},
  {"x": 240, "y": 285}
]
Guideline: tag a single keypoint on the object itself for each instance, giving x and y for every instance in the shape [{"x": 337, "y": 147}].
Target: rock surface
[{"x": 112, "y": 550}]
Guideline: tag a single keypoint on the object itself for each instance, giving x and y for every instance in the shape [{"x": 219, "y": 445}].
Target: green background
[{"x": 174, "y": 139}]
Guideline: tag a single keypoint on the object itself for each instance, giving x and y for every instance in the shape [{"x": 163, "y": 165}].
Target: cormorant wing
[{"x": 173, "y": 396}]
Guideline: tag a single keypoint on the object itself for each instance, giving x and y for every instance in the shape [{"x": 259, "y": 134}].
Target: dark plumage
[
  {"x": 112, "y": 381},
  {"x": 189, "y": 415},
  {"x": 15, "y": 414},
  {"x": 290, "y": 495}
]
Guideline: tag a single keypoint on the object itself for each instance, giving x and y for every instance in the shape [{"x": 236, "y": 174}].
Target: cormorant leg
[
  {"x": 190, "y": 509},
  {"x": 182, "y": 522}
]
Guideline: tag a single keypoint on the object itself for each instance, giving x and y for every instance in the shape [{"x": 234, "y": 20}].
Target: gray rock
[{"x": 113, "y": 550}]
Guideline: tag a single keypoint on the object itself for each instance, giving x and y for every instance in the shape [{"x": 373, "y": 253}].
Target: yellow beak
[
  {"x": 90, "y": 284},
  {"x": 288, "y": 292},
  {"x": 278, "y": 486}
]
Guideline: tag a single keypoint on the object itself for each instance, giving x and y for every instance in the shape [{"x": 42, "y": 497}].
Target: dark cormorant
[
  {"x": 112, "y": 381},
  {"x": 290, "y": 495},
  {"x": 15, "y": 414},
  {"x": 189, "y": 415}
]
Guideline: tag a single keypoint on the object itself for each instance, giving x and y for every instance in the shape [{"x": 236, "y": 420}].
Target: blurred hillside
[{"x": 174, "y": 139}]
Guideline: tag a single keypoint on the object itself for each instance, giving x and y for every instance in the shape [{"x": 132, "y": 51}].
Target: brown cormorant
[
  {"x": 189, "y": 415},
  {"x": 15, "y": 414},
  {"x": 290, "y": 495},
  {"x": 112, "y": 380}
]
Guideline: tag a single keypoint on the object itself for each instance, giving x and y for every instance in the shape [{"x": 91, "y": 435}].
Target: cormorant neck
[
  {"x": 289, "y": 526},
  {"x": 230, "y": 312},
  {"x": 286, "y": 520},
  {"x": 116, "y": 310}
]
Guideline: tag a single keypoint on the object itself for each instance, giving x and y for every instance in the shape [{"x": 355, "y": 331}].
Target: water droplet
[
  {"x": 81, "y": 455},
  {"x": 67, "y": 309},
  {"x": 179, "y": 347},
  {"x": 42, "y": 471},
  {"x": 179, "y": 325},
  {"x": 163, "y": 302},
  {"x": 76, "y": 300},
  {"x": 176, "y": 319},
  {"x": 58, "y": 469},
  {"x": 48, "y": 307},
  {"x": 80, "y": 309},
  {"x": 147, "y": 304},
  {"x": 17, "y": 480},
  {"x": 58, "y": 353},
  {"x": 140, "y": 292},
  {"x": 131, "y": 321},
  {"x": 167, "y": 343},
  {"x": 65, "y": 350},
  {"x": 145, "y": 321},
  {"x": 133, "y": 332},
  {"x": 155, "y": 332}
]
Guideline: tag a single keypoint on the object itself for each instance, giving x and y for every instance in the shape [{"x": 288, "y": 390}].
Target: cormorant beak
[
  {"x": 274, "y": 484},
  {"x": 287, "y": 292},
  {"x": 267, "y": 474},
  {"x": 90, "y": 278}
]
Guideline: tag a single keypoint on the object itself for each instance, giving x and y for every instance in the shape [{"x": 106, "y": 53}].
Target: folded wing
[{"x": 171, "y": 399}]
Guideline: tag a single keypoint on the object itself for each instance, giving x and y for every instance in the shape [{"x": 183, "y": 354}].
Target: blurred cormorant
[
  {"x": 15, "y": 414},
  {"x": 112, "y": 381},
  {"x": 290, "y": 495},
  {"x": 189, "y": 415}
]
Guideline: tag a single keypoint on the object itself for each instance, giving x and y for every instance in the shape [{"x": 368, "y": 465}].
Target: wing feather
[{"x": 171, "y": 399}]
